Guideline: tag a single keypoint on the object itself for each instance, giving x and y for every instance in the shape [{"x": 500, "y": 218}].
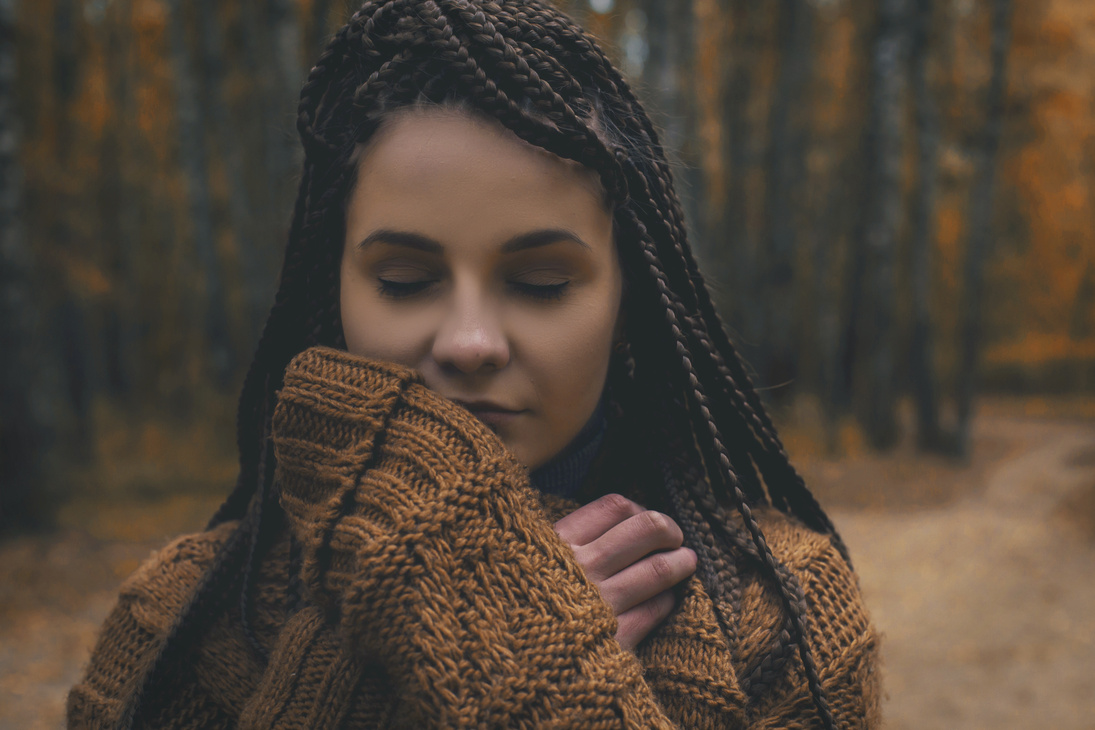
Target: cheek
[
  {"x": 371, "y": 330},
  {"x": 570, "y": 360},
  {"x": 354, "y": 308}
]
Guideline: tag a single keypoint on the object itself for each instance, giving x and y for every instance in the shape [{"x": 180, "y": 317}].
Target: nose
[{"x": 471, "y": 338}]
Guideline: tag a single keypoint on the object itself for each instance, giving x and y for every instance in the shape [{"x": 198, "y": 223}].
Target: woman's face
[{"x": 488, "y": 265}]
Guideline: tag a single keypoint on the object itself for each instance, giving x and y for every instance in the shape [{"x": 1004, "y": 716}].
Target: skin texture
[{"x": 489, "y": 266}]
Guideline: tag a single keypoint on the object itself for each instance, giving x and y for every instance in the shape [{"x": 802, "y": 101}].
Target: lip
[
  {"x": 484, "y": 406},
  {"x": 490, "y": 413}
]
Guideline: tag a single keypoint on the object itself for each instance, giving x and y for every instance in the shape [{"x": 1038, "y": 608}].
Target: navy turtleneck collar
[{"x": 563, "y": 475}]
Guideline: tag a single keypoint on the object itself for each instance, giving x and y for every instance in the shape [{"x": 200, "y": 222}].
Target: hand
[{"x": 634, "y": 556}]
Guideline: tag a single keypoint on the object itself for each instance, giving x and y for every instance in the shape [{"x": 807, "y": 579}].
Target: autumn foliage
[{"x": 157, "y": 156}]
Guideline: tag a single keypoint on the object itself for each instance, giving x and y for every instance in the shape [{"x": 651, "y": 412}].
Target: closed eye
[
  {"x": 402, "y": 289},
  {"x": 540, "y": 291}
]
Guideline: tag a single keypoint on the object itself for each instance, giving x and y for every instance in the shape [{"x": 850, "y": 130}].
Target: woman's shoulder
[
  {"x": 792, "y": 541},
  {"x": 841, "y": 636},
  {"x": 829, "y": 584},
  {"x": 162, "y": 585},
  {"x": 149, "y": 603}
]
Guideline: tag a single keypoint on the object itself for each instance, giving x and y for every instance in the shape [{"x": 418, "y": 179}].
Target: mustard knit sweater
[{"x": 436, "y": 594}]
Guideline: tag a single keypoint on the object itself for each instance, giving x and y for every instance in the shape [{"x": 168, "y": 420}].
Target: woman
[{"x": 500, "y": 465}]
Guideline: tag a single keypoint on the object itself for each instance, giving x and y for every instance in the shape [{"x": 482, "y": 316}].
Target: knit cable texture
[{"x": 437, "y": 594}]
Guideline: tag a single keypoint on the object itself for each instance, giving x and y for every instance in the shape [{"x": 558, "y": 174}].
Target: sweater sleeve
[
  {"x": 420, "y": 533},
  {"x": 148, "y": 603}
]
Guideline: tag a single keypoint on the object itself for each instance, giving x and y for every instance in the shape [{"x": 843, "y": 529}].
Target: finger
[
  {"x": 627, "y": 543},
  {"x": 636, "y": 624},
  {"x": 647, "y": 578},
  {"x": 587, "y": 523}
]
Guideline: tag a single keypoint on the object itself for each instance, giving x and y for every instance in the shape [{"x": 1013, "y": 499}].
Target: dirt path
[
  {"x": 986, "y": 599},
  {"x": 988, "y": 605},
  {"x": 56, "y": 589}
]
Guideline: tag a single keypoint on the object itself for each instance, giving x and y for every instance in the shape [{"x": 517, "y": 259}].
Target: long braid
[
  {"x": 716, "y": 570},
  {"x": 699, "y": 512},
  {"x": 670, "y": 455},
  {"x": 793, "y": 602}
]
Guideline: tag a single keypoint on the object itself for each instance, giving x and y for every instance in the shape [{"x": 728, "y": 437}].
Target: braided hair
[{"x": 530, "y": 67}]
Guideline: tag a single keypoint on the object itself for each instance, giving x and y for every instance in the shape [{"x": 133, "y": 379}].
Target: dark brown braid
[{"x": 531, "y": 68}]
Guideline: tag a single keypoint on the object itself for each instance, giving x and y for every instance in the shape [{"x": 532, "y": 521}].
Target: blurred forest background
[{"x": 894, "y": 202}]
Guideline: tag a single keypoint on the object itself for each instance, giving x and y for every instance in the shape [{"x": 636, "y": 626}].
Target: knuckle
[
  {"x": 616, "y": 505},
  {"x": 654, "y": 522},
  {"x": 661, "y": 568},
  {"x": 661, "y": 526}
]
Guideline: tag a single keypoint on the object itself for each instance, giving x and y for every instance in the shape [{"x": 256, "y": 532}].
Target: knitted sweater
[{"x": 437, "y": 594}]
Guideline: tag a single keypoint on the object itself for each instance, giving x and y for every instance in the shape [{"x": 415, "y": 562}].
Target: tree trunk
[
  {"x": 193, "y": 151},
  {"x": 1079, "y": 323},
  {"x": 980, "y": 224},
  {"x": 670, "y": 95},
  {"x": 228, "y": 138},
  {"x": 272, "y": 33},
  {"x": 285, "y": 43},
  {"x": 826, "y": 294},
  {"x": 118, "y": 223},
  {"x": 684, "y": 125},
  {"x": 884, "y": 215},
  {"x": 857, "y": 178},
  {"x": 921, "y": 348},
  {"x": 784, "y": 203},
  {"x": 23, "y": 424},
  {"x": 70, "y": 316},
  {"x": 735, "y": 247}
]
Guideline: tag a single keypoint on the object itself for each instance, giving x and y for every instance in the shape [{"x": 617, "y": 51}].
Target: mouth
[{"x": 490, "y": 413}]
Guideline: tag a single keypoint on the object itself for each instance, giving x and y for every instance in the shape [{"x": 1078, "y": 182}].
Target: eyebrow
[{"x": 520, "y": 242}]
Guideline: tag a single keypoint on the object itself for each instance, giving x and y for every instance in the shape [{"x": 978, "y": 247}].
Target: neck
[{"x": 564, "y": 474}]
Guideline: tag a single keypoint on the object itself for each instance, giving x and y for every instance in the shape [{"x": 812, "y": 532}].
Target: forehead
[{"x": 454, "y": 164}]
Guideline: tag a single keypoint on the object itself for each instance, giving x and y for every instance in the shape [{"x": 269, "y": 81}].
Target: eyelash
[
  {"x": 543, "y": 292},
  {"x": 402, "y": 289},
  {"x": 407, "y": 289}
]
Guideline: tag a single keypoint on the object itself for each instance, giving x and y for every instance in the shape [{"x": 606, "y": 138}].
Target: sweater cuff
[
  {"x": 340, "y": 417},
  {"x": 331, "y": 409}
]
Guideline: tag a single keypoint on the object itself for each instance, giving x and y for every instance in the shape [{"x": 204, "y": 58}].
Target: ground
[
  {"x": 978, "y": 575},
  {"x": 986, "y": 603}
]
